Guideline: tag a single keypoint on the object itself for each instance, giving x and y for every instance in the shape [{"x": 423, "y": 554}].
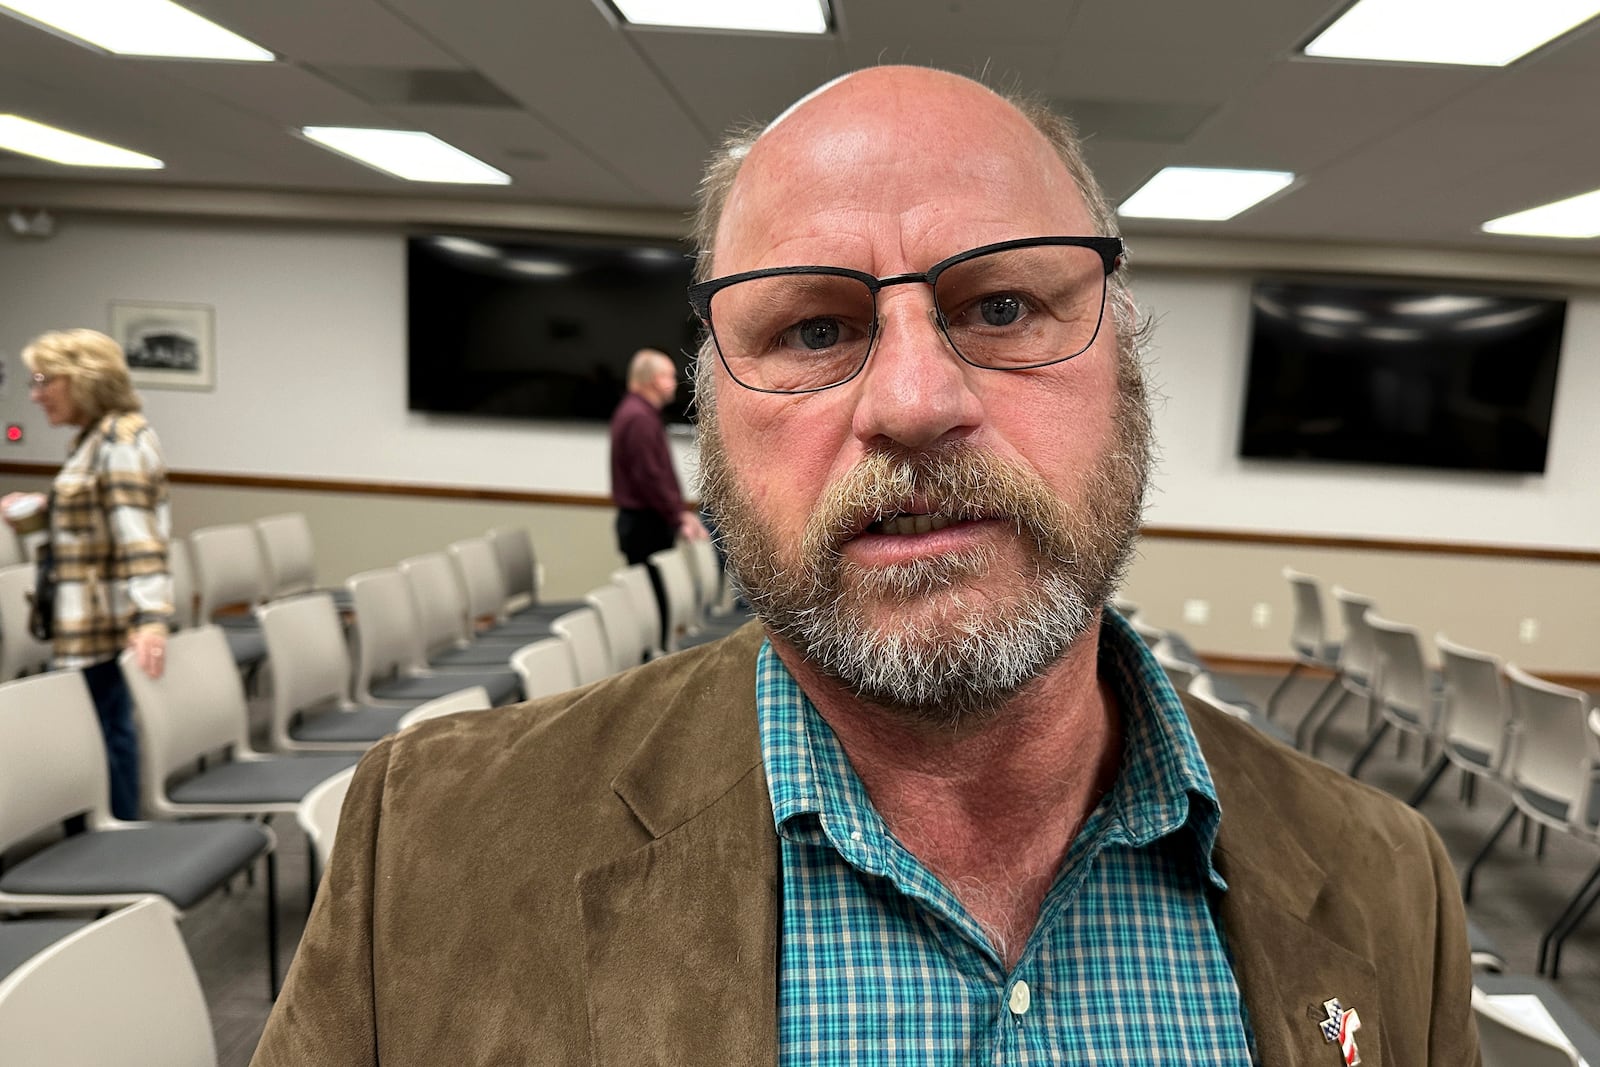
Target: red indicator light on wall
[{"x": 13, "y": 433}]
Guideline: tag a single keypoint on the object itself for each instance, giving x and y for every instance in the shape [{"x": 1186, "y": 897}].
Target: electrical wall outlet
[
  {"x": 1528, "y": 631},
  {"x": 1261, "y": 615},
  {"x": 1197, "y": 612}
]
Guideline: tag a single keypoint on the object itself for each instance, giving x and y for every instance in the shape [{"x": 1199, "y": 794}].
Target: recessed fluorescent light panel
[
  {"x": 408, "y": 154},
  {"x": 1577, "y": 216},
  {"x": 1208, "y": 193},
  {"x": 58, "y": 146},
  {"x": 770, "y": 16},
  {"x": 157, "y": 28},
  {"x": 1448, "y": 31}
]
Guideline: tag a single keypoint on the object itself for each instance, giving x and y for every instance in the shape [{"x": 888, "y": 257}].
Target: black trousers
[{"x": 639, "y": 533}]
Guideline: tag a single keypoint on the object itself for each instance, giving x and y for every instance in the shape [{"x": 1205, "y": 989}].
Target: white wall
[
  {"x": 311, "y": 382},
  {"x": 311, "y": 356}
]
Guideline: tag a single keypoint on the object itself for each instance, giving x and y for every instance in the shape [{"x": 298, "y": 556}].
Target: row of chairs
[
  {"x": 1535, "y": 739},
  {"x": 66, "y": 852}
]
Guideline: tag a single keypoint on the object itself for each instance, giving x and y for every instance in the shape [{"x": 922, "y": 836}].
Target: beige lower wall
[{"x": 1476, "y": 600}]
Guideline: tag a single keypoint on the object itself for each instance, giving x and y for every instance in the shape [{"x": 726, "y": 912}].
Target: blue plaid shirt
[{"x": 881, "y": 964}]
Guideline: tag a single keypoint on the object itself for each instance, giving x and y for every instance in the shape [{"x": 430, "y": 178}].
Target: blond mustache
[{"x": 959, "y": 481}]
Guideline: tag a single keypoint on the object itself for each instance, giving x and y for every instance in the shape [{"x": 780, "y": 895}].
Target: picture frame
[{"x": 168, "y": 345}]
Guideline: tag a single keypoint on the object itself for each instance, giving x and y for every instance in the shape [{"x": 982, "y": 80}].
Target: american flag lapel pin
[{"x": 1340, "y": 1027}]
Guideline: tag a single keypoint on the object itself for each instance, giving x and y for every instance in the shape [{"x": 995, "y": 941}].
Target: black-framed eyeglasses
[{"x": 1012, "y": 305}]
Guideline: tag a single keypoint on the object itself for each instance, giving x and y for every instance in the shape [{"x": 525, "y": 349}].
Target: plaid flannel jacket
[{"x": 109, "y": 525}]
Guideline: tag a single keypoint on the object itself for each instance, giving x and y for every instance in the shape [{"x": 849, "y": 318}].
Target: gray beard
[
  {"x": 959, "y": 672},
  {"x": 958, "y": 652}
]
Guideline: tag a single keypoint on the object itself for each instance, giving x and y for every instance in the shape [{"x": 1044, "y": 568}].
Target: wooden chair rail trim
[{"x": 225, "y": 480}]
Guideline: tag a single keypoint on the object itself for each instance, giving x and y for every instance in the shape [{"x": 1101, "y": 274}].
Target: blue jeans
[{"x": 115, "y": 710}]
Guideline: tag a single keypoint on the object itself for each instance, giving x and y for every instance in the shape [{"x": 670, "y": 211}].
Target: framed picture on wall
[{"x": 169, "y": 346}]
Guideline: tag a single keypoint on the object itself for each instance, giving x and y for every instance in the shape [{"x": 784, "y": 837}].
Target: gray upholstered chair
[
  {"x": 391, "y": 661},
  {"x": 53, "y": 775},
  {"x": 308, "y": 663}
]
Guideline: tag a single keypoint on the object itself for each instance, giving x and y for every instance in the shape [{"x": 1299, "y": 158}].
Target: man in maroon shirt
[{"x": 650, "y": 511}]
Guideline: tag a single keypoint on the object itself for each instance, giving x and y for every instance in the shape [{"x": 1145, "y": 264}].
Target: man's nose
[{"x": 914, "y": 391}]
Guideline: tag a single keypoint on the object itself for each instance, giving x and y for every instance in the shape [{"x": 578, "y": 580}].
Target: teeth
[{"x": 913, "y": 524}]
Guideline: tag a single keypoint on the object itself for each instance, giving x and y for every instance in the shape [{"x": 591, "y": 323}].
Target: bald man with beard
[{"x": 937, "y": 805}]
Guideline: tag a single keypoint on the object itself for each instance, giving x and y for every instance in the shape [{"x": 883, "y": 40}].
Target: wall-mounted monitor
[
  {"x": 541, "y": 326},
  {"x": 1414, "y": 374}
]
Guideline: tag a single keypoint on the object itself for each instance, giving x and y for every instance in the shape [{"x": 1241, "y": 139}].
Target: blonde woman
[{"x": 109, "y": 527}]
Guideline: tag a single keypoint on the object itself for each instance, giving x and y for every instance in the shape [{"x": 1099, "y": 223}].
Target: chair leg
[
  {"x": 1538, "y": 842},
  {"x": 1312, "y": 731},
  {"x": 1471, "y": 785},
  {"x": 1570, "y": 927},
  {"x": 1309, "y": 720},
  {"x": 1567, "y": 922},
  {"x": 1272, "y": 701},
  {"x": 272, "y": 923},
  {"x": 1367, "y": 749},
  {"x": 1435, "y": 772},
  {"x": 1483, "y": 853}
]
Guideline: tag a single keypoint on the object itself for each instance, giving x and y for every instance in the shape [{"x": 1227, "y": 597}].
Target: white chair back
[
  {"x": 472, "y": 698},
  {"x": 318, "y": 814},
  {"x": 1308, "y": 635},
  {"x": 545, "y": 667},
  {"x": 183, "y": 594},
  {"x": 121, "y": 992},
  {"x": 1556, "y": 752},
  {"x": 52, "y": 758},
  {"x": 20, "y": 652},
  {"x": 1400, "y": 677},
  {"x": 308, "y": 660},
  {"x": 287, "y": 554},
  {"x": 196, "y": 708},
  {"x": 635, "y": 581},
  {"x": 10, "y": 547},
  {"x": 227, "y": 568},
  {"x": 441, "y": 609},
  {"x": 1505, "y": 1039},
  {"x": 615, "y": 608},
  {"x": 591, "y": 659},
  {"x": 1357, "y": 655},
  {"x": 478, "y": 570},
  {"x": 706, "y": 570},
  {"x": 678, "y": 584},
  {"x": 1201, "y": 689},
  {"x": 519, "y": 569},
  {"x": 1476, "y": 711},
  {"x": 388, "y": 633}
]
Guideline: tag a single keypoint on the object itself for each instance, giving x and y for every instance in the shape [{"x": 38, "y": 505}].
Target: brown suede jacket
[{"x": 593, "y": 879}]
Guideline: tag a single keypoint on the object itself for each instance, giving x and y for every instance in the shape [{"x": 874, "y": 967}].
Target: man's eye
[
  {"x": 816, "y": 334},
  {"x": 1002, "y": 309}
]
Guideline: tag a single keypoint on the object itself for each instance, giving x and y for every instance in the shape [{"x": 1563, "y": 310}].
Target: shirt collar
[{"x": 1162, "y": 786}]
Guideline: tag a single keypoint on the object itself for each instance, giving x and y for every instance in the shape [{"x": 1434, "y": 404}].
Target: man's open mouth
[{"x": 901, "y": 524}]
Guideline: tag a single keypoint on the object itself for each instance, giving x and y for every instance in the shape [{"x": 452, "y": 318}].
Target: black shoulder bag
[{"x": 42, "y": 613}]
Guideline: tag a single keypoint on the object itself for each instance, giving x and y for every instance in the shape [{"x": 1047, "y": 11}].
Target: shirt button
[
  {"x": 1021, "y": 998},
  {"x": 855, "y": 835}
]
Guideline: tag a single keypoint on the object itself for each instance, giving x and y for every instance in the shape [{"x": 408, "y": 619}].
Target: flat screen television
[
  {"x": 1411, "y": 374},
  {"x": 541, "y": 326}
]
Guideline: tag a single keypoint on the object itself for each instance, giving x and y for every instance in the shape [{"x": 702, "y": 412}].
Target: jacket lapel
[
  {"x": 1290, "y": 954},
  {"x": 681, "y": 935}
]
